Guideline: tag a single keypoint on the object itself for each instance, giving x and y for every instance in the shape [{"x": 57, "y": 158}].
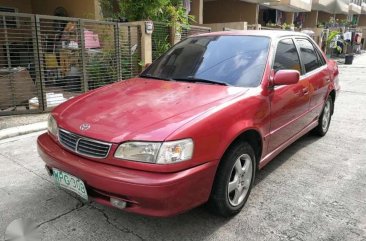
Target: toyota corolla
[{"x": 195, "y": 125}]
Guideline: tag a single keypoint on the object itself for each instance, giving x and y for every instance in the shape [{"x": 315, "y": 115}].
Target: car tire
[
  {"x": 233, "y": 181},
  {"x": 324, "y": 119}
]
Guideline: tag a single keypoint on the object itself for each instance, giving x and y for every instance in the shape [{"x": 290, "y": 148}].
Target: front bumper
[{"x": 147, "y": 193}]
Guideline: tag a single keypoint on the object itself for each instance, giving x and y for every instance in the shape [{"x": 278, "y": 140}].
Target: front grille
[
  {"x": 67, "y": 139},
  {"x": 84, "y": 146}
]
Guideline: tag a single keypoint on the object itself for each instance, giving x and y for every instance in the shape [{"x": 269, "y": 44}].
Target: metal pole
[
  {"x": 83, "y": 55},
  {"x": 129, "y": 50},
  {"x": 6, "y": 42},
  {"x": 42, "y": 101},
  {"x": 11, "y": 77},
  {"x": 118, "y": 51},
  {"x": 36, "y": 61}
]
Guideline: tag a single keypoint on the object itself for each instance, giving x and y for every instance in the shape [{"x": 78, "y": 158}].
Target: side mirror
[{"x": 286, "y": 77}]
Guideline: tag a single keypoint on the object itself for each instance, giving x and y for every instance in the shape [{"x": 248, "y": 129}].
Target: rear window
[
  {"x": 286, "y": 56},
  {"x": 234, "y": 60},
  {"x": 308, "y": 55}
]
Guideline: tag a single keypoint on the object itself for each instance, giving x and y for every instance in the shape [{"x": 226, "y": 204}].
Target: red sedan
[{"x": 195, "y": 125}]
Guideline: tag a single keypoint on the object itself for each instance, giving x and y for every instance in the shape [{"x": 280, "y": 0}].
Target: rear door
[
  {"x": 317, "y": 73},
  {"x": 289, "y": 103}
]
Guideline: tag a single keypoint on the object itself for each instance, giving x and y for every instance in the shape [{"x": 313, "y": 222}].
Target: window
[
  {"x": 11, "y": 21},
  {"x": 320, "y": 57},
  {"x": 233, "y": 60},
  {"x": 286, "y": 56},
  {"x": 308, "y": 55}
]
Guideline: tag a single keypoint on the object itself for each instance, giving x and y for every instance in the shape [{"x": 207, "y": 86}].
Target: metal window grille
[
  {"x": 45, "y": 60},
  {"x": 161, "y": 40},
  {"x": 60, "y": 59},
  {"x": 100, "y": 53},
  {"x": 130, "y": 50},
  {"x": 230, "y": 29},
  {"x": 193, "y": 30},
  {"x": 18, "y": 64},
  {"x": 162, "y": 36}
]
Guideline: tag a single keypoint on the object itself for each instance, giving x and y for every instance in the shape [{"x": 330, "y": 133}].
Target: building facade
[
  {"x": 89, "y": 9},
  {"x": 301, "y": 13}
]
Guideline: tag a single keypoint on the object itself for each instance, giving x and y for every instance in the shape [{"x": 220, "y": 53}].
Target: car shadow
[
  {"x": 199, "y": 223},
  {"x": 284, "y": 156}
]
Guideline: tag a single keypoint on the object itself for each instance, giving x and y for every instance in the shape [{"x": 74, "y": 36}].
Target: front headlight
[
  {"x": 175, "y": 151},
  {"x": 138, "y": 151},
  {"x": 156, "y": 152},
  {"x": 52, "y": 126}
]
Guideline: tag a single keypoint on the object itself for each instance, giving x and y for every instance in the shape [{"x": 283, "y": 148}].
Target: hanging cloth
[
  {"x": 347, "y": 36},
  {"x": 187, "y": 5}
]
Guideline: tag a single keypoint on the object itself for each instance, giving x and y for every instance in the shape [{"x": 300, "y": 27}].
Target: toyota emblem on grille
[{"x": 84, "y": 126}]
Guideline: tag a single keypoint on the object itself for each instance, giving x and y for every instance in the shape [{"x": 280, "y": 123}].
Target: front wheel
[
  {"x": 234, "y": 180},
  {"x": 324, "y": 118}
]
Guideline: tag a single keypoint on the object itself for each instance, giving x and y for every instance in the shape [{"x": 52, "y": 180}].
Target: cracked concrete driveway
[{"x": 314, "y": 190}]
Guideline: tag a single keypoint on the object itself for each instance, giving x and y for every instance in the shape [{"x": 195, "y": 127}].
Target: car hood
[{"x": 140, "y": 109}]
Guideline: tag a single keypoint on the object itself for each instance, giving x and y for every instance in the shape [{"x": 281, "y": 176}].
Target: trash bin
[{"x": 348, "y": 59}]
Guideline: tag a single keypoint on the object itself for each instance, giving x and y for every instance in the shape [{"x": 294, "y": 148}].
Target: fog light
[{"x": 118, "y": 203}]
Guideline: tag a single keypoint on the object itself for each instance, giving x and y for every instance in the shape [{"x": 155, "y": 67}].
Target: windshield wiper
[
  {"x": 191, "y": 79},
  {"x": 152, "y": 77},
  {"x": 188, "y": 79}
]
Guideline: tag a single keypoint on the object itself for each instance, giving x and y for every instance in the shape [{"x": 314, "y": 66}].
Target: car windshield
[{"x": 226, "y": 60}]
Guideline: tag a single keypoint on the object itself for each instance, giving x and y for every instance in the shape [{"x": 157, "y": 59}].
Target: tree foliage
[{"x": 170, "y": 11}]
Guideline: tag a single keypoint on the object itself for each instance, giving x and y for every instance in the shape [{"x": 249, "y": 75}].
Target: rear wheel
[
  {"x": 233, "y": 180},
  {"x": 325, "y": 118}
]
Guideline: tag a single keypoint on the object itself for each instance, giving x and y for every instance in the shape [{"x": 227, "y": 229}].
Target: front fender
[{"x": 217, "y": 129}]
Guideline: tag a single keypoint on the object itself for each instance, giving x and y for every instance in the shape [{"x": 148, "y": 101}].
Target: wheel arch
[
  {"x": 332, "y": 94},
  {"x": 254, "y": 138}
]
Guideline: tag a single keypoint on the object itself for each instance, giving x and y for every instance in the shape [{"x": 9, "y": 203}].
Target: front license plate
[{"x": 70, "y": 182}]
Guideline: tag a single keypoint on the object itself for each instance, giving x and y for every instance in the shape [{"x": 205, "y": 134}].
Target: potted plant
[
  {"x": 346, "y": 49},
  {"x": 330, "y": 43}
]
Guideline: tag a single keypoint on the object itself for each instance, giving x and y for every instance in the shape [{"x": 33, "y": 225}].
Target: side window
[
  {"x": 320, "y": 57},
  {"x": 308, "y": 55},
  {"x": 286, "y": 56}
]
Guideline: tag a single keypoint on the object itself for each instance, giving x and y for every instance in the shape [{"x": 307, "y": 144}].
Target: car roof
[{"x": 265, "y": 33}]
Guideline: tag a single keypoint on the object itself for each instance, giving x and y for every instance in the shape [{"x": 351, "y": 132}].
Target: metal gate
[
  {"x": 18, "y": 63},
  {"x": 162, "y": 40},
  {"x": 194, "y": 30},
  {"x": 45, "y": 60}
]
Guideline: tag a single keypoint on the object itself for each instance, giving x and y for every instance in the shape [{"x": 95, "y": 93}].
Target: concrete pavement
[
  {"x": 11, "y": 126},
  {"x": 19, "y": 120},
  {"x": 314, "y": 190},
  {"x": 23, "y": 129}
]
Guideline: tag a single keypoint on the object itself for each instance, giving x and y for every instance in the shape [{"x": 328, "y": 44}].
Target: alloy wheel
[
  {"x": 240, "y": 180},
  {"x": 326, "y": 116}
]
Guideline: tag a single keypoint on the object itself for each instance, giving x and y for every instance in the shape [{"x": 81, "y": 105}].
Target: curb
[{"x": 22, "y": 130}]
